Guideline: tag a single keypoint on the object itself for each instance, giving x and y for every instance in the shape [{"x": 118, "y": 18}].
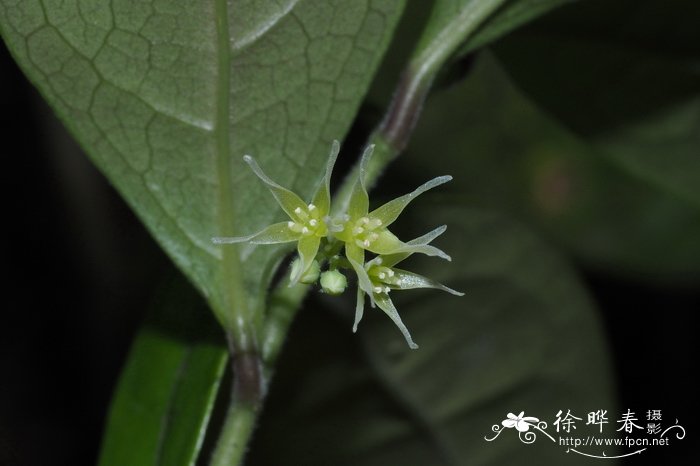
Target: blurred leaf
[
  {"x": 524, "y": 337},
  {"x": 626, "y": 76},
  {"x": 506, "y": 153},
  {"x": 167, "y": 97},
  {"x": 166, "y": 393}
]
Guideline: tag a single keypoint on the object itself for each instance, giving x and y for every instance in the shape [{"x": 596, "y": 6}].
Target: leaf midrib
[{"x": 232, "y": 300}]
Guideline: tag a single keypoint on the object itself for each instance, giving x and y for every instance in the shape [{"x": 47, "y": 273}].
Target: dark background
[{"x": 80, "y": 269}]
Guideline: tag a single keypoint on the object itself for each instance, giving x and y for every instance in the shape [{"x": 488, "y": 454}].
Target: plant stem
[
  {"x": 237, "y": 430},
  {"x": 246, "y": 399}
]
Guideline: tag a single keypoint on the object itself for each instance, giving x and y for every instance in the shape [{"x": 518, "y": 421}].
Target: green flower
[
  {"x": 306, "y": 224},
  {"x": 385, "y": 277},
  {"x": 362, "y": 230}
]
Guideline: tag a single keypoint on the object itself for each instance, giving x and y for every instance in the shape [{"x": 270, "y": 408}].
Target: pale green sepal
[
  {"x": 408, "y": 281},
  {"x": 285, "y": 198},
  {"x": 359, "y": 308},
  {"x": 359, "y": 199},
  {"x": 322, "y": 198},
  {"x": 385, "y": 304},
  {"x": 274, "y": 234},
  {"x": 356, "y": 257},
  {"x": 307, "y": 249},
  {"x": 390, "y": 211},
  {"x": 388, "y": 244}
]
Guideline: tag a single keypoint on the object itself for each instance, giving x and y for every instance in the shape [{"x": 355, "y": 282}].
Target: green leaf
[
  {"x": 166, "y": 98},
  {"x": 506, "y": 153},
  {"x": 525, "y": 337},
  {"x": 626, "y": 79},
  {"x": 164, "y": 399}
]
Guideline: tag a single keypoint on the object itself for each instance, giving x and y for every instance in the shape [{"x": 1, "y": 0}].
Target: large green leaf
[
  {"x": 525, "y": 337},
  {"x": 507, "y": 153},
  {"x": 164, "y": 399},
  {"x": 167, "y": 96},
  {"x": 624, "y": 75}
]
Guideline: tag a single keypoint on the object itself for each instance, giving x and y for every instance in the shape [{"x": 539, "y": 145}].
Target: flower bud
[
  {"x": 333, "y": 282},
  {"x": 310, "y": 276}
]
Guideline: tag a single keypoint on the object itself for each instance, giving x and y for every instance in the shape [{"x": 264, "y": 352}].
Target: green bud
[
  {"x": 311, "y": 275},
  {"x": 333, "y": 282}
]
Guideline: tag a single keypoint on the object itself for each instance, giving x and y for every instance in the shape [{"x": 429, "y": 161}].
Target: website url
[{"x": 592, "y": 440}]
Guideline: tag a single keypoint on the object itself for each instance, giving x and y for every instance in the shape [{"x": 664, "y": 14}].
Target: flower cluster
[{"x": 343, "y": 241}]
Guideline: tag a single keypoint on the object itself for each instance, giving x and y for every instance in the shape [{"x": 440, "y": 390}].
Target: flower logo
[{"x": 520, "y": 422}]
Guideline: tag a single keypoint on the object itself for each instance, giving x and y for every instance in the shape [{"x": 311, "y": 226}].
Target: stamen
[
  {"x": 382, "y": 275},
  {"x": 364, "y": 220},
  {"x": 391, "y": 273},
  {"x": 373, "y": 237},
  {"x": 387, "y": 289},
  {"x": 357, "y": 230},
  {"x": 297, "y": 210},
  {"x": 378, "y": 260},
  {"x": 304, "y": 230},
  {"x": 378, "y": 289},
  {"x": 290, "y": 224},
  {"x": 313, "y": 222},
  {"x": 366, "y": 243},
  {"x": 312, "y": 207}
]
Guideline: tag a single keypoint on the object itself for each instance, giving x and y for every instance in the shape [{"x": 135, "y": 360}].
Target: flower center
[
  {"x": 381, "y": 278},
  {"x": 364, "y": 231},
  {"x": 308, "y": 222}
]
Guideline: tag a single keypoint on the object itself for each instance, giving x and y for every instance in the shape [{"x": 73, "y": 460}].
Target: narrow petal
[
  {"x": 307, "y": 249},
  {"x": 285, "y": 198},
  {"x": 390, "y": 211},
  {"x": 391, "y": 260},
  {"x": 409, "y": 281},
  {"x": 322, "y": 198},
  {"x": 430, "y": 236},
  {"x": 274, "y": 234},
  {"x": 356, "y": 256},
  {"x": 359, "y": 308},
  {"x": 359, "y": 199},
  {"x": 384, "y": 302},
  {"x": 389, "y": 244}
]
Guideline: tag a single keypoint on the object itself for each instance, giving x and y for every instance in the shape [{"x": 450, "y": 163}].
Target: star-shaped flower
[
  {"x": 362, "y": 230},
  {"x": 384, "y": 277},
  {"x": 306, "y": 224}
]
